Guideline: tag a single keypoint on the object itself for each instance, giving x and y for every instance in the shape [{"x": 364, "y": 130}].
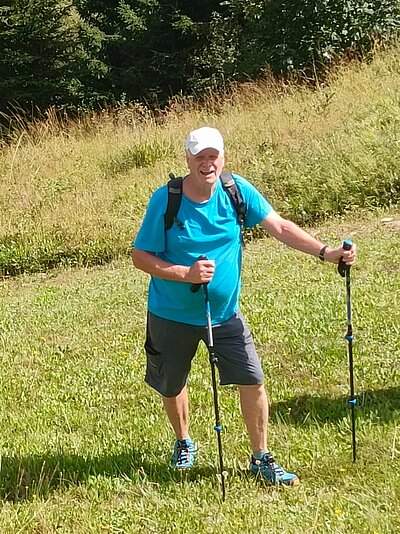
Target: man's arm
[
  {"x": 200, "y": 272},
  {"x": 295, "y": 237}
]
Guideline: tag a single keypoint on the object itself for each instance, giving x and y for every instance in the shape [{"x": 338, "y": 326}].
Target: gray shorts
[{"x": 170, "y": 347}]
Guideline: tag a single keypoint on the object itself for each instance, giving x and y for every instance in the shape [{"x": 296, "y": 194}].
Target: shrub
[{"x": 309, "y": 34}]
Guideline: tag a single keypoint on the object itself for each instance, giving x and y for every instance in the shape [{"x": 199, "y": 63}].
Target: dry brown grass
[{"x": 89, "y": 179}]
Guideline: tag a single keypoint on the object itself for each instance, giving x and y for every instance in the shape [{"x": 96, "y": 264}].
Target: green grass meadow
[{"x": 85, "y": 446}]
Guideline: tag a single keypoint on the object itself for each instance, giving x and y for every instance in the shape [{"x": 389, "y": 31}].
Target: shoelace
[
  {"x": 272, "y": 465},
  {"x": 276, "y": 468},
  {"x": 183, "y": 453}
]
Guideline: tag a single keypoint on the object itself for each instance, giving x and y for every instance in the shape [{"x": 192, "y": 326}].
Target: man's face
[{"x": 206, "y": 166}]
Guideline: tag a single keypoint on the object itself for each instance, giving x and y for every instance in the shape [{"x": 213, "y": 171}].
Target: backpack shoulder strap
[
  {"x": 174, "y": 200},
  {"x": 175, "y": 197},
  {"x": 229, "y": 184}
]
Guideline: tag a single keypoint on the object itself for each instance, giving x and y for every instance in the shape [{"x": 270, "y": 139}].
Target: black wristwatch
[{"x": 322, "y": 253}]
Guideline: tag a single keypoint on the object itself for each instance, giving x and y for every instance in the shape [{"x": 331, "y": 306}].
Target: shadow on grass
[
  {"x": 29, "y": 477},
  {"x": 383, "y": 405}
]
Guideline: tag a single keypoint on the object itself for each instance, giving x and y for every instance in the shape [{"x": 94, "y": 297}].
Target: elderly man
[{"x": 207, "y": 226}]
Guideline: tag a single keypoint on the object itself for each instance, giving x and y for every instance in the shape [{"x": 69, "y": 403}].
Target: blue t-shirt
[{"x": 211, "y": 229}]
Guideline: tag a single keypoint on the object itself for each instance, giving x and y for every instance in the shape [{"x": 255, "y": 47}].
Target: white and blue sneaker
[
  {"x": 269, "y": 470},
  {"x": 184, "y": 454}
]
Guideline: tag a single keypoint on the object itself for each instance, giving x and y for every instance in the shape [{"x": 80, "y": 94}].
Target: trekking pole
[
  {"x": 213, "y": 360},
  {"x": 344, "y": 271}
]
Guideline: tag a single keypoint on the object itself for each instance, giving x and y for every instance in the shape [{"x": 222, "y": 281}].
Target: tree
[
  {"x": 308, "y": 34},
  {"x": 45, "y": 55},
  {"x": 151, "y": 45}
]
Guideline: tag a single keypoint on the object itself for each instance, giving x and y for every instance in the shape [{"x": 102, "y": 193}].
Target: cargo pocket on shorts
[{"x": 154, "y": 360}]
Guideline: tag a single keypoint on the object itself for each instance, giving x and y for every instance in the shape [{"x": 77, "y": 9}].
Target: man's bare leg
[
  {"x": 255, "y": 411},
  {"x": 177, "y": 409}
]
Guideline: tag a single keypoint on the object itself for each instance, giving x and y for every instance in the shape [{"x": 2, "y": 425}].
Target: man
[{"x": 207, "y": 225}]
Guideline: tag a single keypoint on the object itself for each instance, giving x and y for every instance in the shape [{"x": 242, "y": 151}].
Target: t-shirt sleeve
[
  {"x": 257, "y": 206},
  {"x": 151, "y": 235}
]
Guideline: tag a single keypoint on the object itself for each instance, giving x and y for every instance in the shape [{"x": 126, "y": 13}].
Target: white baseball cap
[{"x": 203, "y": 138}]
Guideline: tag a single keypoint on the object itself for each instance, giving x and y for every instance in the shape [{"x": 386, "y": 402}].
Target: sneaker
[
  {"x": 269, "y": 470},
  {"x": 184, "y": 454}
]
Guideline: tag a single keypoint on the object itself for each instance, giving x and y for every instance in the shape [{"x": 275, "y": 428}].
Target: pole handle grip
[
  {"x": 196, "y": 287},
  {"x": 347, "y": 244},
  {"x": 342, "y": 267}
]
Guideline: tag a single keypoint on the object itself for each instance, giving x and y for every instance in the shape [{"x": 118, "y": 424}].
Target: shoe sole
[
  {"x": 181, "y": 468},
  {"x": 294, "y": 483}
]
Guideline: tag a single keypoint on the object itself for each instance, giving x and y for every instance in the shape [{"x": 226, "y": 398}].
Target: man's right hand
[{"x": 201, "y": 272}]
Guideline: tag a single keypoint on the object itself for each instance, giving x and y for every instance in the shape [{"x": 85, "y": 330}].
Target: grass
[
  {"x": 76, "y": 195},
  {"x": 84, "y": 442}
]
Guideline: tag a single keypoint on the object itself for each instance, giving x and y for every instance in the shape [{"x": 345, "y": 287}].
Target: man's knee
[
  {"x": 253, "y": 393},
  {"x": 251, "y": 387}
]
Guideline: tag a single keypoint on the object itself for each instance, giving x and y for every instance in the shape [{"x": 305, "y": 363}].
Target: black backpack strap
[
  {"x": 175, "y": 197},
  {"x": 229, "y": 184},
  {"x": 174, "y": 200}
]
